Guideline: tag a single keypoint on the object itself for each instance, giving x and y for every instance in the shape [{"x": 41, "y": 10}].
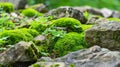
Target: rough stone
[
  {"x": 92, "y": 57},
  {"x": 104, "y": 34},
  {"x": 21, "y": 52},
  {"x": 67, "y": 12},
  {"x": 40, "y": 8}
]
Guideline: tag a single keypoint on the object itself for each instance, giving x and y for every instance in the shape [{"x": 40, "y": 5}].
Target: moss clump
[
  {"x": 31, "y": 13},
  {"x": 14, "y": 36},
  {"x": 71, "y": 24},
  {"x": 70, "y": 42},
  {"x": 8, "y": 7},
  {"x": 37, "y": 26}
]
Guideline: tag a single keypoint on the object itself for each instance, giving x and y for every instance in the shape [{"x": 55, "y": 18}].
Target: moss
[
  {"x": 38, "y": 27},
  {"x": 114, "y": 19},
  {"x": 6, "y": 23},
  {"x": 85, "y": 27},
  {"x": 35, "y": 65},
  {"x": 14, "y": 36},
  {"x": 70, "y": 42},
  {"x": 8, "y": 7},
  {"x": 31, "y": 13},
  {"x": 71, "y": 24}
]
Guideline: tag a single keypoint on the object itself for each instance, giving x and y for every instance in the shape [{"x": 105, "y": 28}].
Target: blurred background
[{"x": 111, "y": 4}]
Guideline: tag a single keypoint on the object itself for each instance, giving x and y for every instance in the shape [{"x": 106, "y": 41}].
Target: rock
[
  {"x": 89, "y": 9},
  {"x": 67, "y": 12},
  {"x": 106, "y": 12},
  {"x": 39, "y": 38},
  {"x": 92, "y": 20},
  {"x": 21, "y": 52},
  {"x": 92, "y": 57},
  {"x": 116, "y": 14},
  {"x": 104, "y": 34},
  {"x": 19, "y": 4},
  {"x": 40, "y": 8}
]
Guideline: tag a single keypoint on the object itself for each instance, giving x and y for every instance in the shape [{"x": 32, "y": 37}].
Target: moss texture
[
  {"x": 8, "y": 7},
  {"x": 70, "y": 42},
  {"x": 14, "y": 36},
  {"x": 71, "y": 24},
  {"x": 31, "y": 13}
]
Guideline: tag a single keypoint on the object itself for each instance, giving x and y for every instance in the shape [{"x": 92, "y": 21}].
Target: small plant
[
  {"x": 70, "y": 42},
  {"x": 31, "y": 13},
  {"x": 71, "y": 24},
  {"x": 7, "y": 7}
]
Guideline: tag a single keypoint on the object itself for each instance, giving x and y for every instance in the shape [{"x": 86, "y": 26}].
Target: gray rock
[
  {"x": 104, "y": 34},
  {"x": 89, "y": 9},
  {"x": 92, "y": 20},
  {"x": 105, "y": 12},
  {"x": 92, "y": 57},
  {"x": 40, "y": 8},
  {"x": 21, "y": 52},
  {"x": 67, "y": 12}
]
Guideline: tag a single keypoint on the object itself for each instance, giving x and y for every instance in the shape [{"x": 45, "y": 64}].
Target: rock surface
[
  {"x": 92, "y": 57},
  {"x": 67, "y": 12},
  {"x": 40, "y": 8},
  {"x": 102, "y": 12},
  {"x": 104, "y": 34},
  {"x": 21, "y": 52}
]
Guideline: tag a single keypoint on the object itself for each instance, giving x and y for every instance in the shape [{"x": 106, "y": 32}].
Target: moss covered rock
[
  {"x": 13, "y": 36},
  {"x": 31, "y": 13},
  {"x": 70, "y": 24},
  {"x": 70, "y": 42},
  {"x": 8, "y": 7}
]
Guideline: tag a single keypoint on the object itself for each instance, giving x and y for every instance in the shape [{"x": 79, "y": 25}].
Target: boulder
[
  {"x": 92, "y": 57},
  {"x": 67, "y": 12},
  {"x": 22, "y": 52},
  {"x": 104, "y": 34}
]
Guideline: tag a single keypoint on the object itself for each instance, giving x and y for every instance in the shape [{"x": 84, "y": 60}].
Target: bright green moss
[
  {"x": 71, "y": 24},
  {"x": 8, "y": 7},
  {"x": 114, "y": 19},
  {"x": 14, "y": 36},
  {"x": 31, "y": 13},
  {"x": 70, "y": 42},
  {"x": 37, "y": 26},
  {"x": 85, "y": 27}
]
